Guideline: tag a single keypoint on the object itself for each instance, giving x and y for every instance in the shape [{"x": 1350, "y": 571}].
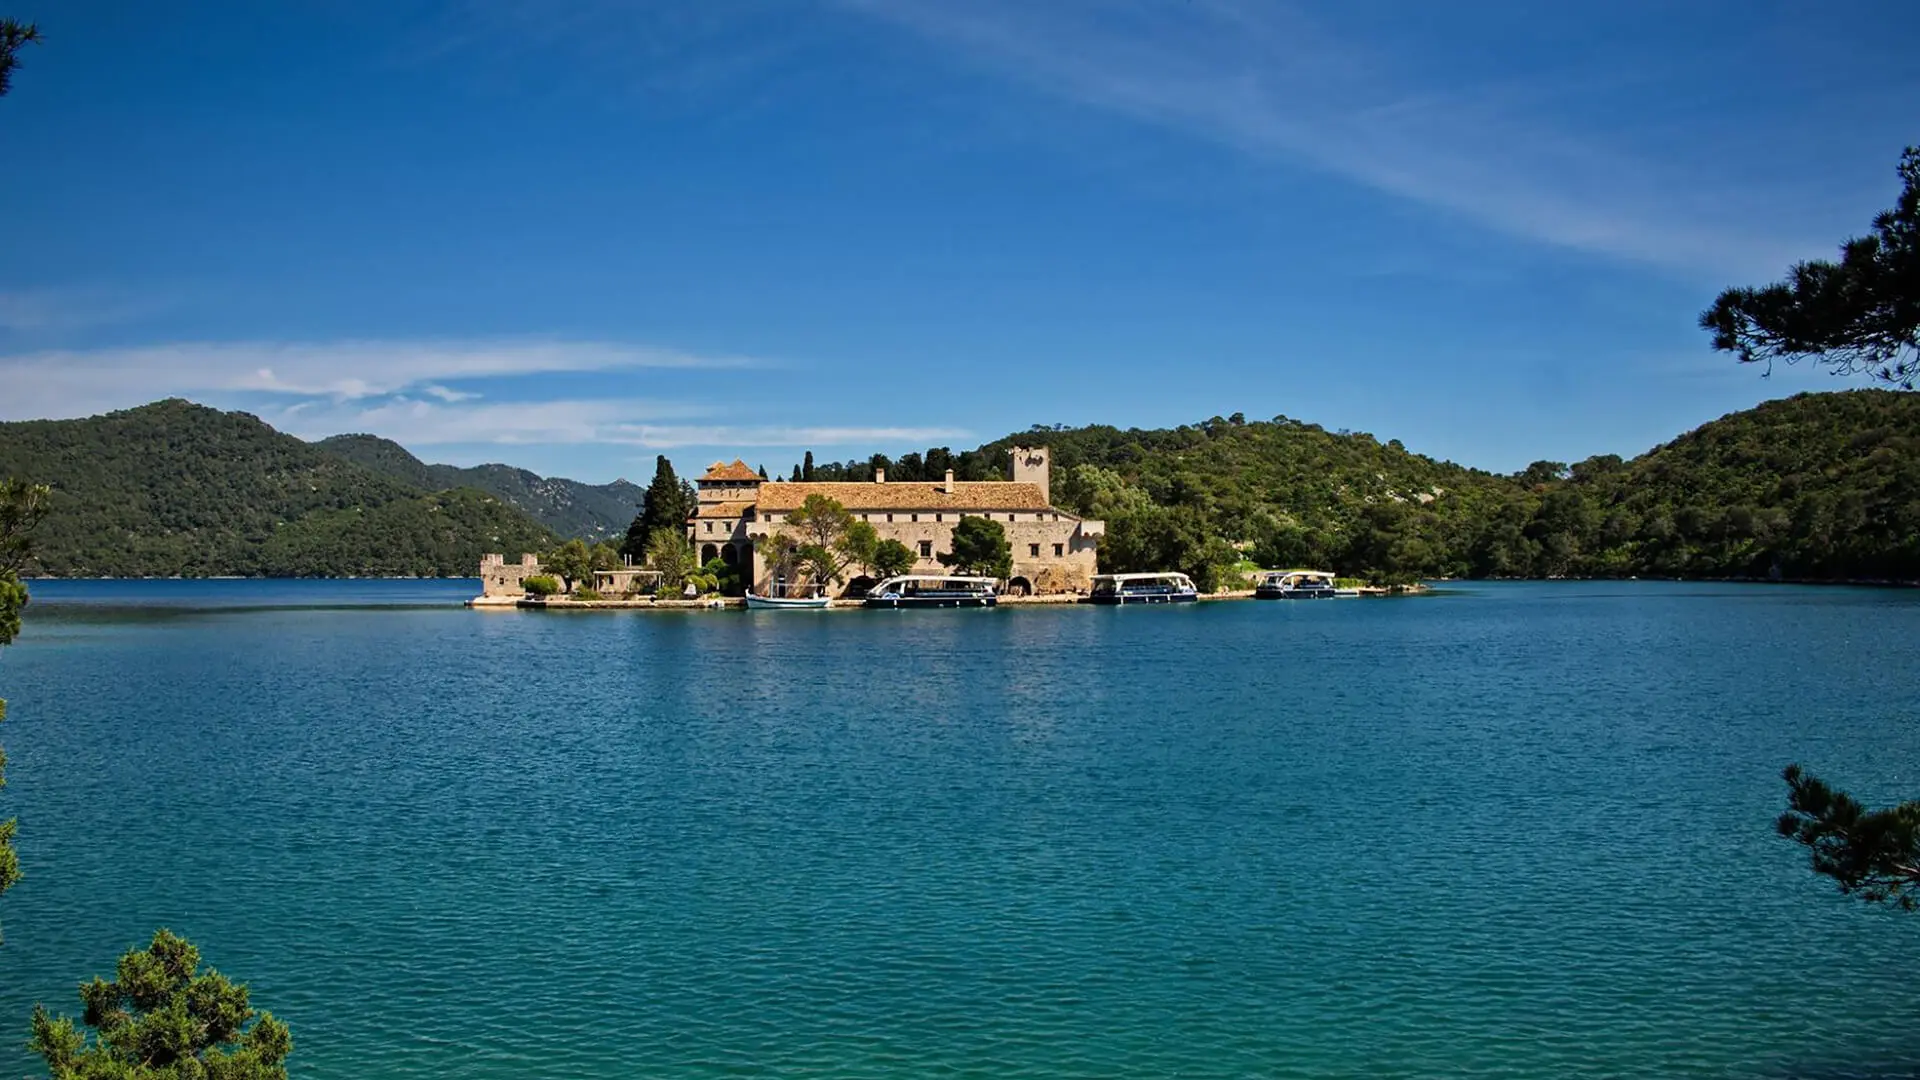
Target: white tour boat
[
  {"x": 1297, "y": 585},
  {"x": 933, "y": 590},
  {"x": 1168, "y": 588}
]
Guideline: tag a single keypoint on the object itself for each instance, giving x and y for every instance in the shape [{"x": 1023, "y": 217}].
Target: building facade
[{"x": 1053, "y": 551}]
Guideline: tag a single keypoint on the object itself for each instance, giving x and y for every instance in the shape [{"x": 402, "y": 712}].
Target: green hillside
[
  {"x": 1816, "y": 487},
  {"x": 177, "y": 488},
  {"x": 568, "y": 507}
]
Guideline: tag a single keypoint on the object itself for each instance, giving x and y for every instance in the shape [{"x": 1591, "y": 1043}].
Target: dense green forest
[
  {"x": 178, "y": 488},
  {"x": 568, "y": 507},
  {"x": 1815, "y": 487}
]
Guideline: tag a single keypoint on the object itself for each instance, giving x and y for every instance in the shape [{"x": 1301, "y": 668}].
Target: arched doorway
[
  {"x": 729, "y": 555},
  {"x": 708, "y": 554},
  {"x": 859, "y": 587},
  {"x": 1019, "y": 587}
]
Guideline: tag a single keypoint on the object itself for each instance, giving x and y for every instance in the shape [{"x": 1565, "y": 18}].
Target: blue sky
[{"x": 571, "y": 236}]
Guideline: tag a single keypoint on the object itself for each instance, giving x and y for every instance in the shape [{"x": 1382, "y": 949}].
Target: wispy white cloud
[
  {"x": 666, "y": 437},
  {"x": 445, "y": 394},
  {"x": 66, "y": 383},
  {"x": 1266, "y": 80},
  {"x": 418, "y": 422},
  {"x": 397, "y": 390},
  {"x": 658, "y": 425}
]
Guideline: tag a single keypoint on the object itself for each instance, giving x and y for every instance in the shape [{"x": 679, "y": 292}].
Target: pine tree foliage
[
  {"x": 162, "y": 1018},
  {"x": 22, "y": 506},
  {"x": 14, "y": 35},
  {"x": 1860, "y": 315},
  {"x": 1872, "y": 854},
  {"x": 979, "y": 547}
]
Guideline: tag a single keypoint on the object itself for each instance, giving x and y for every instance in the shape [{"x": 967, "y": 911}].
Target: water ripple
[{"x": 1517, "y": 832}]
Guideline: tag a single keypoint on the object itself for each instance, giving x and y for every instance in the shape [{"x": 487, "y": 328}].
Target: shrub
[
  {"x": 541, "y": 585},
  {"x": 586, "y": 592}
]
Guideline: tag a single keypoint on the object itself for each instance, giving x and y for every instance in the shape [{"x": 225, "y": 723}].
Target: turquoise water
[{"x": 1514, "y": 830}]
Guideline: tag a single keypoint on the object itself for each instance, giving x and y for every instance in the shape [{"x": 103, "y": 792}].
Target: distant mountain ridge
[
  {"x": 568, "y": 507},
  {"x": 179, "y": 489}
]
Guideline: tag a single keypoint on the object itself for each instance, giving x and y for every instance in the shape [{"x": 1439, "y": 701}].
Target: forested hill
[
  {"x": 175, "y": 488},
  {"x": 1817, "y": 487},
  {"x": 568, "y": 507}
]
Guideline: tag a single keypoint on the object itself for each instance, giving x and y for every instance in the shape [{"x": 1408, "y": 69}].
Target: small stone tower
[{"x": 1032, "y": 465}]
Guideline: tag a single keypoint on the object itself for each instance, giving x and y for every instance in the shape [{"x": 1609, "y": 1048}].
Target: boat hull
[
  {"x": 930, "y": 601},
  {"x": 775, "y": 603},
  {"x": 1294, "y": 594},
  {"x": 1116, "y": 600}
]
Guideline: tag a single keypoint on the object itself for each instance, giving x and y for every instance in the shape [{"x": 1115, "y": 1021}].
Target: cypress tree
[
  {"x": 666, "y": 505},
  {"x": 806, "y": 468}
]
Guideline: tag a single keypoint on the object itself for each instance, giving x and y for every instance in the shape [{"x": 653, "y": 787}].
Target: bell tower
[{"x": 1033, "y": 465}]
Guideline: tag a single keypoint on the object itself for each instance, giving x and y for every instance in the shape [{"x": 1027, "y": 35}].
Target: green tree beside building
[
  {"x": 667, "y": 504},
  {"x": 979, "y": 547}
]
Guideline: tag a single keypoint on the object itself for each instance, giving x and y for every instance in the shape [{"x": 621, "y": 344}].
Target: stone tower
[{"x": 1032, "y": 465}]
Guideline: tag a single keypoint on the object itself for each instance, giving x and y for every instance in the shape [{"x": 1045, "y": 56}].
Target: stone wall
[
  {"x": 498, "y": 577},
  {"x": 1069, "y": 571}
]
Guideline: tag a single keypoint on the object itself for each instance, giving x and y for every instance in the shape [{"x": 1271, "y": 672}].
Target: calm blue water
[{"x": 1514, "y": 831}]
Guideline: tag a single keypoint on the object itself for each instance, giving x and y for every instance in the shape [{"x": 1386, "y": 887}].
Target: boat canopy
[
  {"x": 1283, "y": 575},
  {"x": 1122, "y": 579},
  {"x": 799, "y": 589},
  {"x": 943, "y": 579}
]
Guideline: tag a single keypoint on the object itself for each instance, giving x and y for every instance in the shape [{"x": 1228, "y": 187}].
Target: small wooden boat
[
  {"x": 811, "y": 597},
  {"x": 1166, "y": 588},
  {"x": 1295, "y": 585},
  {"x": 932, "y": 590}
]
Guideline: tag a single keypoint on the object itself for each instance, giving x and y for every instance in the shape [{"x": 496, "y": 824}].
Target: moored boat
[
  {"x": 1295, "y": 585},
  {"x": 932, "y": 590},
  {"x": 811, "y": 597},
  {"x": 1168, "y": 588}
]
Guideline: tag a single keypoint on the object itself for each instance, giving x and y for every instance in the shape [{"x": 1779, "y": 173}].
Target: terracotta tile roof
[
  {"x": 723, "y": 510},
  {"x": 736, "y": 471},
  {"x": 980, "y": 495}
]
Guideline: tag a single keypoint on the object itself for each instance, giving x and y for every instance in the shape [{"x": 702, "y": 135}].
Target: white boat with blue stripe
[
  {"x": 933, "y": 591},
  {"x": 1166, "y": 588}
]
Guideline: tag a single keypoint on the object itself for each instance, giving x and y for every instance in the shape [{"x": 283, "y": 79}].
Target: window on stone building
[
  {"x": 709, "y": 526},
  {"x": 939, "y": 517},
  {"x": 926, "y": 549},
  {"x": 913, "y": 517},
  {"x": 889, "y": 517},
  {"x": 1033, "y": 551},
  {"x": 1059, "y": 550}
]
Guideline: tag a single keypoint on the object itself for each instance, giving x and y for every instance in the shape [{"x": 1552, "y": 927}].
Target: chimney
[
  {"x": 879, "y": 476},
  {"x": 949, "y": 488}
]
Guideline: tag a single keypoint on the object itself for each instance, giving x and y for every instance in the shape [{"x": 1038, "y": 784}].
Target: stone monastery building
[{"x": 1053, "y": 551}]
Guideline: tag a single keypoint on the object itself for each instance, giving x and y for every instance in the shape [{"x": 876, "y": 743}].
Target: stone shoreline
[{"x": 722, "y": 603}]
